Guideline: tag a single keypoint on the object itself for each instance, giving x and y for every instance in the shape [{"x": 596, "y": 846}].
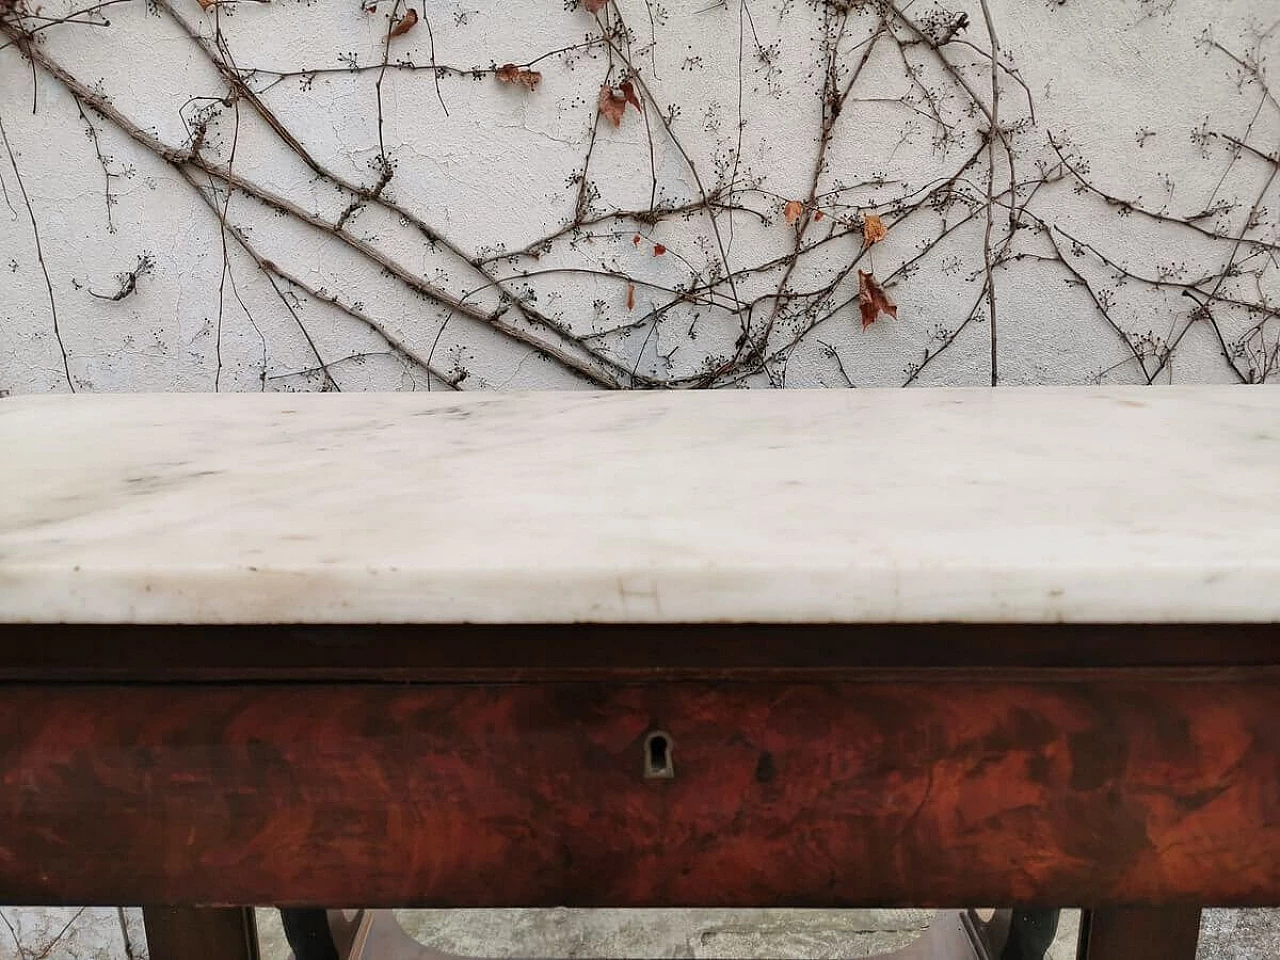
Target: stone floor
[
  {"x": 112, "y": 934},
  {"x": 696, "y": 934}
]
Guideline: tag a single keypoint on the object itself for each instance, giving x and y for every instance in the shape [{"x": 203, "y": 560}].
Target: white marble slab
[{"x": 1032, "y": 505}]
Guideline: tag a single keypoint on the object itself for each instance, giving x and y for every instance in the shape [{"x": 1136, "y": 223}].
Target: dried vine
[{"x": 700, "y": 267}]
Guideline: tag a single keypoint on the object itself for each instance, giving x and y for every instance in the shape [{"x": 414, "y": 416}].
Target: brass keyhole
[{"x": 657, "y": 756}]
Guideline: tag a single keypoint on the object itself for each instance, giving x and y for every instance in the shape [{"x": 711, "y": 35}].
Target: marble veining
[{"x": 1032, "y": 505}]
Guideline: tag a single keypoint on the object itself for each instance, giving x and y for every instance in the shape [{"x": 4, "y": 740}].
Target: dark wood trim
[
  {"x": 1132, "y": 789},
  {"x": 531, "y": 652},
  {"x": 1161, "y": 933},
  {"x": 184, "y": 933}
]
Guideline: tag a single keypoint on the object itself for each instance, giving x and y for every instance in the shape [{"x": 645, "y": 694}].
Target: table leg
[
  {"x": 1139, "y": 933},
  {"x": 189, "y": 933}
]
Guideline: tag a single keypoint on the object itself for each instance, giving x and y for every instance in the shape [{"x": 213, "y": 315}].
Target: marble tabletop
[{"x": 1011, "y": 505}]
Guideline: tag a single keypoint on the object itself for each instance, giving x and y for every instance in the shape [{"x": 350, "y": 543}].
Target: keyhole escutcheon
[{"x": 658, "y": 764}]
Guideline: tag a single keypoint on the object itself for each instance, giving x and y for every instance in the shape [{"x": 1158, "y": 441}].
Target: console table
[{"x": 1014, "y": 647}]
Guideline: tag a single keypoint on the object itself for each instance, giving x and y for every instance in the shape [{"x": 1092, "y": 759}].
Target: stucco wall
[{"x": 1129, "y": 235}]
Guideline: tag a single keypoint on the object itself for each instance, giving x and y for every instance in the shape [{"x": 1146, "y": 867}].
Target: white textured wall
[{"x": 1162, "y": 103}]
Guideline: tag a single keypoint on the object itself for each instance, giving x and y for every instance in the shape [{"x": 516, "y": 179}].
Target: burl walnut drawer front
[{"x": 628, "y": 794}]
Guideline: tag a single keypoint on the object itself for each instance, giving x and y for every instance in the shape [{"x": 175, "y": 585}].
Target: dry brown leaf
[
  {"x": 510, "y": 73},
  {"x": 873, "y": 229},
  {"x": 405, "y": 23},
  {"x": 206, "y": 4},
  {"x": 631, "y": 296},
  {"x": 659, "y": 249},
  {"x": 612, "y": 104},
  {"x": 594, "y": 6},
  {"x": 636, "y": 239},
  {"x": 792, "y": 211},
  {"x": 872, "y": 300},
  {"x": 629, "y": 94},
  {"x": 818, "y": 215}
]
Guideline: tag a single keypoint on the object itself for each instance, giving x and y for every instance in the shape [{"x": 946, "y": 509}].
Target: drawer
[{"x": 1112, "y": 787}]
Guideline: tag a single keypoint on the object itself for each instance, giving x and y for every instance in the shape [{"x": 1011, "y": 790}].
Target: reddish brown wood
[
  {"x": 1139, "y": 934},
  {"x": 592, "y": 651},
  {"x": 1142, "y": 789},
  {"x": 182, "y": 933}
]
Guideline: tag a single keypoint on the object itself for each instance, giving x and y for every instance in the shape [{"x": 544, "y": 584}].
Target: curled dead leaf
[
  {"x": 873, "y": 229},
  {"x": 659, "y": 249},
  {"x": 636, "y": 239},
  {"x": 872, "y": 300},
  {"x": 631, "y": 296},
  {"x": 792, "y": 211},
  {"x": 629, "y": 94},
  {"x": 206, "y": 4},
  {"x": 510, "y": 73},
  {"x": 405, "y": 23},
  {"x": 612, "y": 104},
  {"x": 818, "y": 215}
]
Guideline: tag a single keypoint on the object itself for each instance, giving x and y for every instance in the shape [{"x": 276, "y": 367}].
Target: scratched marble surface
[{"x": 1028, "y": 505}]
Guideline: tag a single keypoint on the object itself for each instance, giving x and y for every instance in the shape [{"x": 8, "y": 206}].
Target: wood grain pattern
[{"x": 1145, "y": 789}]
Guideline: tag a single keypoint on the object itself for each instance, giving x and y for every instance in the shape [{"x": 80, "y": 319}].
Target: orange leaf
[
  {"x": 873, "y": 230},
  {"x": 594, "y": 6},
  {"x": 510, "y": 73},
  {"x": 872, "y": 300},
  {"x": 659, "y": 249},
  {"x": 405, "y": 23},
  {"x": 631, "y": 296},
  {"x": 792, "y": 211},
  {"x": 612, "y": 104}
]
